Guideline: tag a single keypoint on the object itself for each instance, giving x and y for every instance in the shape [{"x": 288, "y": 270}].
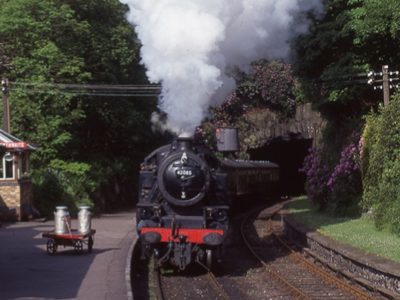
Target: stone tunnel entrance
[{"x": 289, "y": 155}]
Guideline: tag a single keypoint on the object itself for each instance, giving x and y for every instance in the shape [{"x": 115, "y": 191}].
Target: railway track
[
  {"x": 157, "y": 279},
  {"x": 218, "y": 287},
  {"x": 274, "y": 270},
  {"x": 291, "y": 271},
  {"x": 148, "y": 281},
  {"x": 198, "y": 286}
]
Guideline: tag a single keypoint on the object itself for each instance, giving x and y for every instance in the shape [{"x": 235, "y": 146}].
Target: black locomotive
[{"x": 185, "y": 194}]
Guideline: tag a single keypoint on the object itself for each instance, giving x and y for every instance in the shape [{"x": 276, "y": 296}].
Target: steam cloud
[{"x": 188, "y": 46}]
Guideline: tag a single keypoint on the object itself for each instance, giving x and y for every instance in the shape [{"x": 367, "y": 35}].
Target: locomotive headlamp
[
  {"x": 208, "y": 212},
  {"x": 149, "y": 212},
  {"x": 157, "y": 211},
  {"x": 220, "y": 215},
  {"x": 146, "y": 213}
]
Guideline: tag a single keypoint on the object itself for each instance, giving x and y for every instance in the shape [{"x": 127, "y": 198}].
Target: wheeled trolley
[{"x": 73, "y": 238}]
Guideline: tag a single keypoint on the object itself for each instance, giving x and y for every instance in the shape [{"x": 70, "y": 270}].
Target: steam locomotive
[{"x": 185, "y": 196}]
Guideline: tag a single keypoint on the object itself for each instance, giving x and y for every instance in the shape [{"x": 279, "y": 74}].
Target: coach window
[{"x": 7, "y": 169}]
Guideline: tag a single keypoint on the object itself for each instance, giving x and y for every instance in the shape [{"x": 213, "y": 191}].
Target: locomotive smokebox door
[{"x": 227, "y": 139}]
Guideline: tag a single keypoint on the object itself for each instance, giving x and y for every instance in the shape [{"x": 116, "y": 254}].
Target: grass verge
[{"x": 360, "y": 233}]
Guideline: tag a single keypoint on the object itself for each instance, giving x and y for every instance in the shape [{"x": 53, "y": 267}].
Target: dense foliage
[
  {"x": 88, "y": 147},
  {"x": 317, "y": 178},
  {"x": 269, "y": 85},
  {"x": 353, "y": 37},
  {"x": 381, "y": 166},
  {"x": 272, "y": 85},
  {"x": 335, "y": 185}
]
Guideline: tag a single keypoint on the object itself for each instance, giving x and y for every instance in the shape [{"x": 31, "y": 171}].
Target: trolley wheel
[
  {"x": 90, "y": 244},
  {"x": 78, "y": 246},
  {"x": 51, "y": 246}
]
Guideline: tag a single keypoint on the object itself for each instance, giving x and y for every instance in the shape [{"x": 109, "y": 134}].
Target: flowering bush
[
  {"x": 336, "y": 188},
  {"x": 317, "y": 177},
  {"x": 269, "y": 85},
  {"x": 344, "y": 183},
  {"x": 230, "y": 111},
  {"x": 347, "y": 165},
  {"x": 276, "y": 85}
]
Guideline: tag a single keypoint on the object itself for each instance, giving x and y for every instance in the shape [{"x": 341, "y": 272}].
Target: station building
[{"x": 15, "y": 182}]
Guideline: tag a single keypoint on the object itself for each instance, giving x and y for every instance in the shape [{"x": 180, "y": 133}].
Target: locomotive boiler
[{"x": 185, "y": 196}]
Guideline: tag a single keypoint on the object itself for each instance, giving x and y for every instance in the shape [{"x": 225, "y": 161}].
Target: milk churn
[
  {"x": 62, "y": 220},
  {"x": 85, "y": 219}
]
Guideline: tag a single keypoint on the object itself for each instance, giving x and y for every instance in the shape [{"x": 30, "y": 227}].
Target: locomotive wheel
[
  {"x": 51, "y": 246},
  {"x": 209, "y": 258},
  {"x": 90, "y": 244},
  {"x": 78, "y": 246}
]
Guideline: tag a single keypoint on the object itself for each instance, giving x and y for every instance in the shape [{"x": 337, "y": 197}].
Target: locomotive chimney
[
  {"x": 227, "y": 139},
  {"x": 183, "y": 143}
]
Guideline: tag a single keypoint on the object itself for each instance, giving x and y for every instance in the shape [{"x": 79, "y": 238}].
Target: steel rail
[
  {"x": 321, "y": 273},
  {"x": 294, "y": 290},
  {"x": 210, "y": 277},
  {"x": 157, "y": 278},
  {"x": 218, "y": 288}
]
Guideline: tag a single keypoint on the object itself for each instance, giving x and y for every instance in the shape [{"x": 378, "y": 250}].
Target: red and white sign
[{"x": 14, "y": 145}]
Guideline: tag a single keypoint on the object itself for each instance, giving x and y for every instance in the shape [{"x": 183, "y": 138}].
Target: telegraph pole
[
  {"x": 386, "y": 83},
  {"x": 6, "y": 104}
]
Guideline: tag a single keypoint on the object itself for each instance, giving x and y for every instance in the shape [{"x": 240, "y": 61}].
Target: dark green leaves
[{"x": 82, "y": 140}]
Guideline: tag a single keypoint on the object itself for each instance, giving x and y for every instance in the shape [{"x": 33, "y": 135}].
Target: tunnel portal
[{"x": 289, "y": 155}]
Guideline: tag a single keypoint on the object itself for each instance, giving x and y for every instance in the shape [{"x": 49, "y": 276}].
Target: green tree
[
  {"x": 83, "y": 141},
  {"x": 4, "y": 60},
  {"x": 353, "y": 36}
]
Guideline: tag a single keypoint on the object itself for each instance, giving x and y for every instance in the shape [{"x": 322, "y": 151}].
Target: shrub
[
  {"x": 386, "y": 207},
  {"x": 344, "y": 183},
  {"x": 335, "y": 186},
  {"x": 62, "y": 183},
  {"x": 381, "y": 166},
  {"x": 371, "y": 160},
  {"x": 317, "y": 175}
]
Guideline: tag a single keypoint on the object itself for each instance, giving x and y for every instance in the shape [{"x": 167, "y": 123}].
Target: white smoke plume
[{"x": 188, "y": 46}]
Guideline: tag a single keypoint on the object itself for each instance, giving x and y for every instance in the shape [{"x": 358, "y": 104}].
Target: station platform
[{"x": 27, "y": 271}]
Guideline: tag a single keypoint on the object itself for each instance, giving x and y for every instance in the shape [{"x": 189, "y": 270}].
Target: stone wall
[
  {"x": 305, "y": 124},
  {"x": 10, "y": 200},
  {"x": 370, "y": 270},
  {"x": 15, "y": 199}
]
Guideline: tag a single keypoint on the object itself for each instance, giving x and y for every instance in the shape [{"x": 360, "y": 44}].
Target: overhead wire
[
  {"x": 154, "y": 90},
  {"x": 142, "y": 90}
]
